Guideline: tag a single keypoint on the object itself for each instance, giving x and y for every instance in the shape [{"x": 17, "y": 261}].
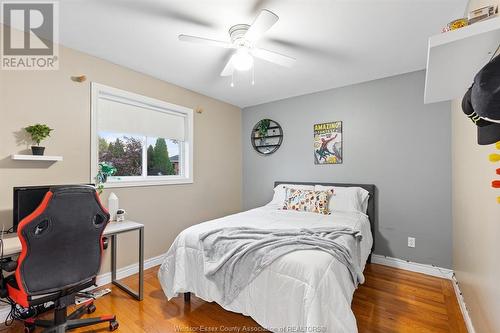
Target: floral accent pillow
[{"x": 307, "y": 200}]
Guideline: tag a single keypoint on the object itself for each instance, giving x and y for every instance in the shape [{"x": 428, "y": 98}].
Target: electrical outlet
[{"x": 411, "y": 241}]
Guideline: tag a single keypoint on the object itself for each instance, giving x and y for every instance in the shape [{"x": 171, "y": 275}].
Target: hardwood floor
[
  {"x": 394, "y": 300},
  {"x": 391, "y": 300}
]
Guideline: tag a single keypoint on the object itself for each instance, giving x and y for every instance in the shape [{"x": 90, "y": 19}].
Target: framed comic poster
[{"x": 328, "y": 143}]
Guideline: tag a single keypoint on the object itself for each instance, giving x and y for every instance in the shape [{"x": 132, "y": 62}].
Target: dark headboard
[{"x": 371, "y": 211}]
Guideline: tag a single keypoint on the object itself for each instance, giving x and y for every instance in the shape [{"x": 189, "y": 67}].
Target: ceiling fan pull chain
[{"x": 253, "y": 75}]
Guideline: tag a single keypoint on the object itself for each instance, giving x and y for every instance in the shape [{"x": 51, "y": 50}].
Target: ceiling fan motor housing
[{"x": 237, "y": 33}]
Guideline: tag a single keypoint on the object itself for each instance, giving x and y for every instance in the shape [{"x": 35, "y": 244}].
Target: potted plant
[
  {"x": 105, "y": 170},
  {"x": 38, "y": 132},
  {"x": 262, "y": 129}
]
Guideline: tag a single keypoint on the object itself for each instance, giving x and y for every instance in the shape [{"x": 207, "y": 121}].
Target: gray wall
[{"x": 391, "y": 139}]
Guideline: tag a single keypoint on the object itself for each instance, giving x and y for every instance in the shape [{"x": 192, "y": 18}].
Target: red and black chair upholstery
[{"x": 62, "y": 248}]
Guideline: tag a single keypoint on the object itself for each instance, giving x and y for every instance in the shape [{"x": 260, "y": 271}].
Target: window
[{"x": 147, "y": 141}]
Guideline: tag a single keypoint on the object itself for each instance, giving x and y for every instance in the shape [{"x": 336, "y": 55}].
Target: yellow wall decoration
[{"x": 496, "y": 158}]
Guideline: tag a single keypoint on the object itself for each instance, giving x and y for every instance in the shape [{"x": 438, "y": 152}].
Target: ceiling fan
[{"x": 243, "y": 40}]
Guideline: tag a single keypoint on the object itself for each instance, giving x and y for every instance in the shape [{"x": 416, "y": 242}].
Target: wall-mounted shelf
[
  {"x": 36, "y": 158},
  {"x": 454, "y": 58},
  {"x": 270, "y": 142}
]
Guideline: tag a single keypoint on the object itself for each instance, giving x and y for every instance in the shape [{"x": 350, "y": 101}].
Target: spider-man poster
[{"x": 328, "y": 143}]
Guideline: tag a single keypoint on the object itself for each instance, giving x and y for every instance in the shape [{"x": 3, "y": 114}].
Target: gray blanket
[{"x": 233, "y": 257}]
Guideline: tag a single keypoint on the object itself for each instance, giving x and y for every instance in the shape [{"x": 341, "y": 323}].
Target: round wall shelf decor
[{"x": 266, "y": 136}]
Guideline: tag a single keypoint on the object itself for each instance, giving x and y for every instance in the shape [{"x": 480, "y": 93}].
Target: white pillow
[
  {"x": 348, "y": 199},
  {"x": 280, "y": 193}
]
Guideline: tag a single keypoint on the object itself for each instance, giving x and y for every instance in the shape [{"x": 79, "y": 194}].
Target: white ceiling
[{"x": 336, "y": 43}]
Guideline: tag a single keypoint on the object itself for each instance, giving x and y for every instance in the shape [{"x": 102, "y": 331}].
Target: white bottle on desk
[{"x": 113, "y": 205}]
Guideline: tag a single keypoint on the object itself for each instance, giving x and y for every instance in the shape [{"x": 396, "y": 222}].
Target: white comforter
[{"x": 303, "y": 291}]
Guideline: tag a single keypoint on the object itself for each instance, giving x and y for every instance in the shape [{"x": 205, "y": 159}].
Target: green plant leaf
[
  {"x": 263, "y": 127},
  {"x": 38, "y": 132},
  {"x": 104, "y": 171}
]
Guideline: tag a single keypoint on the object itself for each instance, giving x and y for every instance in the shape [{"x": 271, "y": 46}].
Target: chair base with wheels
[{"x": 63, "y": 322}]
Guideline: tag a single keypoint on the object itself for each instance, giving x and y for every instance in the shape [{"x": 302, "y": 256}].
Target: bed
[{"x": 301, "y": 291}]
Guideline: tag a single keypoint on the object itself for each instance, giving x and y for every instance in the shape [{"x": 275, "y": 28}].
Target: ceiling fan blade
[
  {"x": 228, "y": 69},
  {"x": 257, "y": 5},
  {"x": 155, "y": 9},
  {"x": 274, "y": 57},
  {"x": 206, "y": 41},
  {"x": 262, "y": 23},
  {"x": 310, "y": 49}
]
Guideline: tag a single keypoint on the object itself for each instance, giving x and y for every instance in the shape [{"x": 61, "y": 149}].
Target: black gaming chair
[{"x": 62, "y": 247}]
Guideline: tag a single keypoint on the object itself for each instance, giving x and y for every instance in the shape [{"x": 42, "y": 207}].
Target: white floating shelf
[
  {"x": 36, "y": 158},
  {"x": 454, "y": 58}
]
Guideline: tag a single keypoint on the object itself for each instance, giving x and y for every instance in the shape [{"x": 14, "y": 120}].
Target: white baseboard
[
  {"x": 463, "y": 307},
  {"x": 444, "y": 273},
  {"x": 105, "y": 278},
  {"x": 129, "y": 270},
  {"x": 432, "y": 270}
]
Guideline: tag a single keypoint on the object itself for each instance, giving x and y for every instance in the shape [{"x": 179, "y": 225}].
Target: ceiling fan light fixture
[
  {"x": 243, "y": 39},
  {"x": 242, "y": 60}
]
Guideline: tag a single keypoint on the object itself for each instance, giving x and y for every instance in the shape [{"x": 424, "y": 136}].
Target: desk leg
[
  {"x": 141, "y": 264},
  {"x": 113, "y": 258},
  {"x": 137, "y": 295}
]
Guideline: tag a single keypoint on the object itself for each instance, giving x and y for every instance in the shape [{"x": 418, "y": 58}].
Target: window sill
[{"x": 134, "y": 183}]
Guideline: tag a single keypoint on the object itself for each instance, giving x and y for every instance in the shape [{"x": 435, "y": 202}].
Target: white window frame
[{"x": 185, "y": 154}]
